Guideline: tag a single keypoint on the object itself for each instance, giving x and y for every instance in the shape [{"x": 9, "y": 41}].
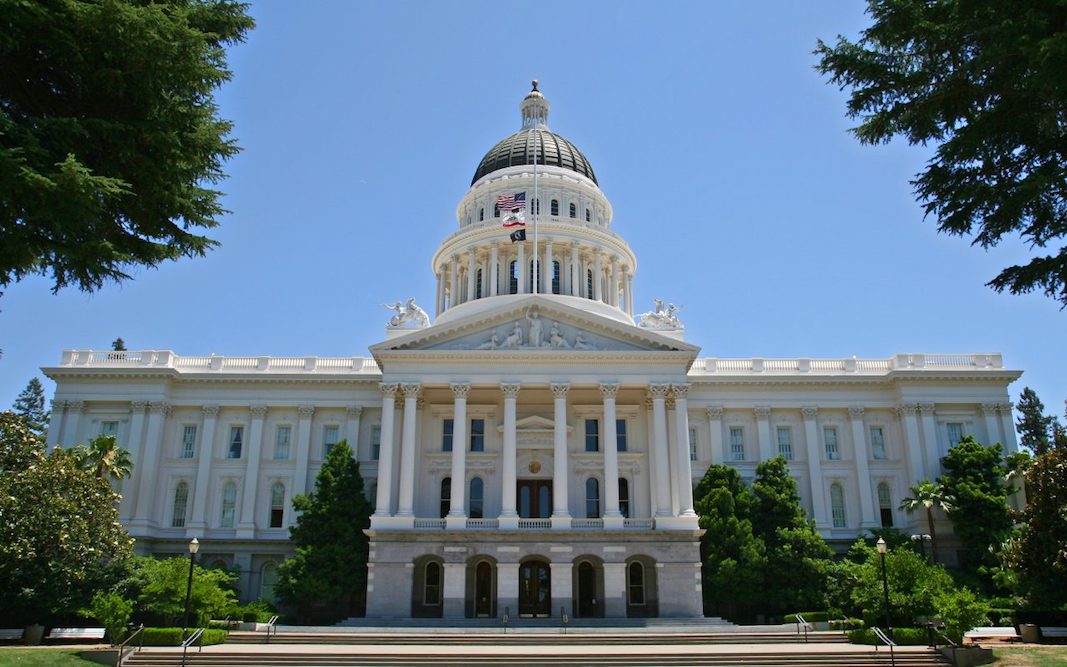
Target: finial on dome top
[{"x": 534, "y": 108}]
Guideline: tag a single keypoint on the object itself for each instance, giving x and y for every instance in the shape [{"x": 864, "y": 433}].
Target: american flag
[{"x": 513, "y": 209}]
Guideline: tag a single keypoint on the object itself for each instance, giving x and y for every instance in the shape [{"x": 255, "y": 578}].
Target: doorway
[
  {"x": 587, "y": 607},
  {"x": 535, "y": 498},
  {"x": 483, "y": 590},
  {"x": 535, "y": 589}
]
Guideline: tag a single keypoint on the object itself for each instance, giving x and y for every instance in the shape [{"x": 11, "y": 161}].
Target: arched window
[
  {"x": 635, "y": 583},
  {"x": 588, "y": 216},
  {"x": 592, "y": 498},
  {"x": 573, "y": 210},
  {"x": 555, "y": 277},
  {"x": 431, "y": 588},
  {"x": 476, "y": 506},
  {"x": 277, "y": 504},
  {"x": 481, "y": 214},
  {"x": 267, "y": 581},
  {"x": 537, "y": 206},
  {"x": 229, "y": 504},
  {"x": 446, "y": 496},
  {"x": 624, "y": 497},
  {"x": 837, "y": 505},
  {"x": 554, "y": 207},
  {"x": 885, "y": 505},
  {"x": 513, "y": 278},
  {"x": 589, "y": 294},
  {"x": 181, "y": 501},
  {"x": 496, "y": 211},
  {"x": 530, "y": 276},
  {"x": 478, "y": 284}
]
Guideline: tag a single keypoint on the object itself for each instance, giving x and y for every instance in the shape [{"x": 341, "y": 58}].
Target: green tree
[
  {"x": 928, "y": 495},
  {"x": 960, "y": 609},
  {"x": 975, "y": 479},
  {"x": 104, "y": 458},
  {"x": 109, "y": 134},
  {"x": 914, "y": 584},
  {"x": 328, "y": 575},
  {"x": 118, "y": 345},
  {"x": 162, "y": 585},
  {"x": 1033, "y": 425},
  {"x": 984, "y": 82},
  {"x": 113, "y": 612},
  {"x": 60, "y": 527},
  {"x": 31, "y": 406}
]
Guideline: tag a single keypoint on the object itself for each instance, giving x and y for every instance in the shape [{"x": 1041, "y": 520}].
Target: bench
[
  {"x": 987, "y": 633},
  {"x": 1053, "y": 633},
  {"x": 76, "y": 633},
  {"x": 10, "y": 634}
]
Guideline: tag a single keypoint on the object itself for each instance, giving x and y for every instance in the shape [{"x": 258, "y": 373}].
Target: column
[
  {"x": 931, "y": 451},
  {"x": 406, "y": 502},
  {"x": 650, "y": 438},
  {"x": 763, "y": 433},
  {"x": 72, "y": 422},
  {"x": 911, "y": 442},
  {"x": 669, "y": 462},
  {"x": 137, "y": 452},
  {"x": 1008, "y": 428},
  {"x": 153, "y": 443},
  {"x": 627, "y": 296},
  {"x": 659, "y": 429},
  {"x": 989, "y": 411},
  {"x": 818, "y": 493},
  {"x": 615, "y": 281},
  {"x": 206, "y": 452},
  {"x": 683, "y": 474},
  {"x": 715, "y": 431},
  {"x": 352, "y": 417},
  {"x": 494, "y": 270},
  {"x": 472, "y": 273},
  {"x": 246, "y": 526},
  {"x": 547, "y": 270},
  {"x": 55, "y": 426},
  {"x": 575, "y": 281},
  {"x": 382, "y": 506},
  {"x": 509, "y": 518},
  {"x": 598, "y": 277},
  {"x": 615, "y": 590},
  {"x": 438, "y": 294},
  {"x": 521, "y": 268},
  {"x": 457, "y": 513},
  {"x": 613, "y": 519},
  {"x": 868, "y": 517},
  {"x": 453, "y": 281},
  {"x": 303, "y": 449},
  {"x": 561, "y": 516}
]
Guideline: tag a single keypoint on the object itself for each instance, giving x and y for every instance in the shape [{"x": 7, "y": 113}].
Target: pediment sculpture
[
  {"x": 528, "y": 333},
  {"x": 663, "y": 317},
  {"x": 408, "y": 316}
]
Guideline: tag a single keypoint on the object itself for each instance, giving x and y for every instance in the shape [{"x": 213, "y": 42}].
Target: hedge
[
  {"x": 173, "y": 636},
  {"x": 902, "y": 636},
  {"x": 809, "y": 616}
]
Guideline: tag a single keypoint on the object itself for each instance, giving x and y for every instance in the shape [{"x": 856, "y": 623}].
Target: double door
[{"x": 534, "y": 498}]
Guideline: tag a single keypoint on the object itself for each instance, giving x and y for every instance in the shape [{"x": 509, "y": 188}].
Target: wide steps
[{"x": 513, "y": 638}]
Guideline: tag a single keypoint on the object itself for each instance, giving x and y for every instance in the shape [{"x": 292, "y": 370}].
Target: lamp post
[
  {"x": 922, "y": 540},
  {"x": 885, "y": 585},
  {"x": 194, "y": 546}
]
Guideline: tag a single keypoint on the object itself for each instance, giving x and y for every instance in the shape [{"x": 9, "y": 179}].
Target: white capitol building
[{"x": 533, "y": 449}]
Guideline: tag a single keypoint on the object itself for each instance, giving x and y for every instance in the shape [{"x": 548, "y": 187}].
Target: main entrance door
[
  {"x": 483, "y": 590},
  {"x": 535, "y": 589},
  {"x": 586, "y": 590},
  {"x": 535, "y": 498}
]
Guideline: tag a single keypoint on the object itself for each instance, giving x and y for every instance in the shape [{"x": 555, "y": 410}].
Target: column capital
[
  {"x": 926, "y": 408},
  {"x": 161, "y": 407},
  {"x": 411, "y": 389},
  {"x": 1006, "y": 407},
  {"x": 210, "y": 410},
  {"x": 138, "y": 406},
  {"x": 559, "y": 389},
  {"x": 388, "y": 388},
  {"x": 305, "y": 411},
  {"x": 460, "y": 389},
  {"x": 354, "y": 410},
  {"x": 680, "y": 390},
  {"x": 659, "y": 391},
  {"x": 989, "y": 408},
  {"x": 258, "y": 411},
  {"x": 855, "y": 411},
  {"x": 714, "y": 412},
  {"x": 762, "y": 411},
  {"x": 609, "y": 389},
  {"x": 907, "y": 409},
  {"x": 510, "y": 389},
  {"x": 76, "y": 406},
  {"x": 809, "y": 411},
  {"x": 669, "y": 401}
]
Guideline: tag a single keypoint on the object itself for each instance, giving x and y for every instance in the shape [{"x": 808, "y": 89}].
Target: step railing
[
  {"x": 801, "y": 622},
  {"x": 197, "y": 638},
  {"x": 128, "y": 645},
  {"x": 881, "y": 636},
  {"x": 272, "y": 625}
]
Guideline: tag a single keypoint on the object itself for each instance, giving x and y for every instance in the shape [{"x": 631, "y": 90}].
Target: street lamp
[
  {"x": 922, "y": 540},
  {"x": 194, "y": 546},
  {"x": 885, "y": 585}
]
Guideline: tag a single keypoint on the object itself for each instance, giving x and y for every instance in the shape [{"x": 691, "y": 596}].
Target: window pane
[
  {"x": 636, "y": 583},
  {"x": 477, "y": 435},
  {"x": 955, "y": 434},
  {"x": 829, "y": 436},
  {"x": 785, "y": 442},
  {"x": 592, "y": 498},
  {"x": 277, "y": 504},
  {"x": 188, "y": 442},
  {"x": 878, "y": 443},
  {"x": 692, "y": 444},
  {"x": 620, "y": 434},
  {"x": 281, "y": 442},
  {"x": 181, "y": 501},
  {"x": 837, "y": 505},
  {"x": 477, "y": 502},
  {"x": 236, "y": 440},
  {"x": 446, "y": 436},
  {"x": 229, "y": 504},
  {"x": 375, "y": 441},
  {"x": 624, "y": 497},
  {"x": 329, "y": 439},
  {"x": 446, "y": 496},
  {"x": 592, "y": 435},
  {"x": 737, "y": 443}
]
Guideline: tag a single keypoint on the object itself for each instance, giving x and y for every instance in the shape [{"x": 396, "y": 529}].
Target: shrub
[
  {"x": 1002, "y": 617},
  {"x": 961, "y": 610},
  {"x": 846, "y": 624},
  {"x": 113, "y": 612},
  {"x": 173, "y": 636},
  {"x": 809, "y": 616},
  {"x": 902, "y": 636}
]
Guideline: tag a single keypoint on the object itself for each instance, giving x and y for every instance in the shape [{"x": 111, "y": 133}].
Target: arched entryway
[
  {"x": 642, "y": 595},
  {"x": 588, "y": 587},
  {"x": 535, "y": 589},
  {"x": 481, "y": 590},
  {"x": 427, "y": 588}
]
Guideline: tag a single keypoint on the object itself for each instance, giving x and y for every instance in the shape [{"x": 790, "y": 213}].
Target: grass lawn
[
  {"x": 1028, "y": 656},
  {"x": 47, "y": 657}
]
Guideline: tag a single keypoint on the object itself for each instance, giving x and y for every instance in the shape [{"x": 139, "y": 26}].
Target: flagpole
[{"x": 536, "y": 209}]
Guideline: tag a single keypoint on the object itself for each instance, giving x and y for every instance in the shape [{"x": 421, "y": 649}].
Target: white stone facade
[{"x": 532, "y": 451}]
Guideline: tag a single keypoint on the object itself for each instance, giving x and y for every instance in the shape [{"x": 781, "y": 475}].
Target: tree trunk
[{"x": 933, "y": 534}]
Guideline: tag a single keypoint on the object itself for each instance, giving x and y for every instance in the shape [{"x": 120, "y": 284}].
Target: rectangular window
[
  {"x": 229, "y": 505},
  {"x": 737, "y": 443},
  {"x": 829, "y": 439},
  {"x": 109, "y": 428},
  {"x": 477, "y": 435},
  {"x": 188, "y": 442},
  {"x": 785, "y": 442},
  {"x": 375, "y": 442},
  {"x": 277, "y": 505},
  {"x": 330, "y": 437},
  {"x": 955, "y": 434},
  {"x": 282, "y": 437},
  {"x": 878, "y": 443},
  {"x": 446, "y": 436},
  {"x": 237, "y": 436},
  {"x": 592, "y": 435},
  {"x": 692, "y": 444},
  {"x": 620, "y": 434},
  {"x": 837, "y": 506}
]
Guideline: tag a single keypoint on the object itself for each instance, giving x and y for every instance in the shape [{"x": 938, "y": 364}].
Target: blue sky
[{"x": 725, "y": 155}]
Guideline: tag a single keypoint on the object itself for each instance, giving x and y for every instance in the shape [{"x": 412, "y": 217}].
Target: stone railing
[
  {"x": 157, "y": 359},
  {"x": 850, "y": 366}
]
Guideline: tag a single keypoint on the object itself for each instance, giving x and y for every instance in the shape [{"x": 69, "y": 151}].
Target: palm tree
[
  {"x": 107, "y": 459},
  {"x": 928, "y": 495}
]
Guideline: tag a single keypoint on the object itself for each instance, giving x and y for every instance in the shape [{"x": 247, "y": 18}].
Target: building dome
[{"x": 534, "y": 144}]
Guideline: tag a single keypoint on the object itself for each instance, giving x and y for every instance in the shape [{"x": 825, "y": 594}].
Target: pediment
[{"x": 534, "y": 324}]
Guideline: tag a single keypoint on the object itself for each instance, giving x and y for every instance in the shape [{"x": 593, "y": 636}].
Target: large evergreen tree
[
  {"x": 327, "y": 578},
  {"x": 109, "y": 134},
  {"x": 985, "y": 83},
  {"x": 30, "y": 405},
  {"x": 1033, "y": 425}
]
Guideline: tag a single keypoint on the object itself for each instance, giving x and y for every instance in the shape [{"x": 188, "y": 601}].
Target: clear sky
[{"x": 724, "y": 154}]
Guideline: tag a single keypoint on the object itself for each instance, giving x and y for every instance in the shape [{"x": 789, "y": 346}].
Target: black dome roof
[{"x": 530, "y": 144}]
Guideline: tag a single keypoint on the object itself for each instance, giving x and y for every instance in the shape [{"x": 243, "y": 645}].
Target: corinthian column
[
  {"x": 683, "y": 475},
  {"x": 811, "y": 438},
  {"x": 508, "y": 515},
  {"x": 863, "y": 473},
  {"x": 494, "y": 269},
  {"x": 457, "y": 513},
  {"x": 612, "y": 517},
  {"x": 383, "y": 502},
  {"x": 406, "y": 503},
  {"x": 561, "y": 517},
  {"x": 659, "y": 448}
]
